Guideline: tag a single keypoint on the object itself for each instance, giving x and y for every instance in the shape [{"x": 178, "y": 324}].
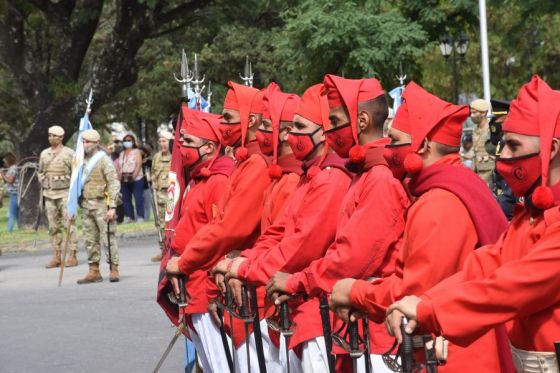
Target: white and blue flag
[
  {"x": 396, "y": 95},
  {"x": 76, "y": 180}
]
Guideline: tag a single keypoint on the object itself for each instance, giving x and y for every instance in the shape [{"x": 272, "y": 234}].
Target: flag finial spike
[
  {"x": 248, "y": 77},
  {"x": 401, "y": 77},
  {"x": 186, "y": 75}
]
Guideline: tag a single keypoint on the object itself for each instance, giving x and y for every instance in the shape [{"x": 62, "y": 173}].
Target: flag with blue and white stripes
[{"x": 76, "y": 183}]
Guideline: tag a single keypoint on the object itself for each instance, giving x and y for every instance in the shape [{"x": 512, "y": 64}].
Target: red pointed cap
[
  {"x": 202, "y": 125},
  {"x": 536, "y": 112},
  {"x": 431, "y": 117},
  {"x": 278, "y": 106},
  {"x": 314, "y": 106},
  {"x": 349, "y": 93},
  {"x": 257, "y": 105},
  {"x": 240, "y": 98}
]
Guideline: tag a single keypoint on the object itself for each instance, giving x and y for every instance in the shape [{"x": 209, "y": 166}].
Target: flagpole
[{"x": 484, "y": 50}]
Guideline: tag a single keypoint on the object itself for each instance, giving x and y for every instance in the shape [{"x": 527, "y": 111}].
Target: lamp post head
[
  {"x": 446, "y": 45},
  {"x": 462, "y": 44}
]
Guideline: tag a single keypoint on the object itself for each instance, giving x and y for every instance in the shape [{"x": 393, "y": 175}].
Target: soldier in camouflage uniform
[
  {"x": 483, "y": 162},
  {"x": 159, "y": 179},
  {"x": 100, "y": 196},
  {"x": 55, "y": 170}
]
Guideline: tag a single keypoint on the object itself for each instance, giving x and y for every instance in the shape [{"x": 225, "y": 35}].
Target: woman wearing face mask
[
  {"x": 132, "y": 179},
  {"x": 12, "y": 180}
]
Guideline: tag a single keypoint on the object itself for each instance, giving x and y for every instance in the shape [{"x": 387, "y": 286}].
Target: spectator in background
[
  {"x": 12, "y": 181},
  {"x": 146, "y": 150},
  {"x": 483, "y": 162},
  {"x": 132, "y": 179},
  {"x": 467, "y": 152}
]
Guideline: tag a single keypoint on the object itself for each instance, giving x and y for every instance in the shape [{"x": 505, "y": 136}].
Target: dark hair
[
  {"x": 129, "y": 135},
  {"x": 10, "y": 159},
  {"x": 378, "y": 110},
  {"x": 444, "y": 149}
]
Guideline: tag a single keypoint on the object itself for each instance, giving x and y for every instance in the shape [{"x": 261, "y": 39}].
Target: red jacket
[
  {"x": 276, "y": 197},
  {"x": 199, "y": 208},
  {"x": 515, "y": 281},
  {"x": 434, "y": 248},
  {"x": 369, "y": 232},
  {"x": 237, "y": 223}
]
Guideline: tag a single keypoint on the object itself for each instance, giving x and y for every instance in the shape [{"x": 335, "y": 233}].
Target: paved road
[{"x": 104, "y": 327}]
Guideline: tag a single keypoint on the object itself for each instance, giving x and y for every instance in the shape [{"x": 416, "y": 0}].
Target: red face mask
[
  {"x": 264, "y": 138},
  {"x": 231, "y": 133},
  {"x": 520, "y": 173},
  {"x": 190, "y": 155},
  {"x": 302, "y": 144},
  {"x": 394, "y": 155},
  {"x": 340, "y": 139}
]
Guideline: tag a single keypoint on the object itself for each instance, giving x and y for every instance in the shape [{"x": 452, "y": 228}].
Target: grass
[{"x": 24, "y": 239}]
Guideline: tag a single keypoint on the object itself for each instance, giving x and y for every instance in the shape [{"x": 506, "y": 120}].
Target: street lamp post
[{"x": 454, "y": 49}]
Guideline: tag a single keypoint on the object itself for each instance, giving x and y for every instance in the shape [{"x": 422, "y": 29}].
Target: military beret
[
  {"x": 480, "y": 105},
  {"x": 91, "y": 135},
  {"x": 56, "y": 130}
]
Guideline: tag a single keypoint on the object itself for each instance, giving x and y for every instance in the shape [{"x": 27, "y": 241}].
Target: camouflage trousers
[
  {"x": 55, "y": 210},
  {"x": 95, "y": 232},
  {"x": 161, "y": 198}
]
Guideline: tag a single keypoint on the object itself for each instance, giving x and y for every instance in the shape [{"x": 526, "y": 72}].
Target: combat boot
[
  {"x": 72, "y": 261},
  {"x": 114, "y": 276},
  {"x": 93, "y": 275},
  {"x": 55, "y": 260}
]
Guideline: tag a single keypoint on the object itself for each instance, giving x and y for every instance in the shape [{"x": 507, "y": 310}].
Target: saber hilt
[
  {"x": 285, "y": 318},
  {"x": 406, "y": 350},
  {"x": 182, "y": 293},
  {"x": 354, "y": 339},
  {"x": 244, "y": 311},
  {"x": 430, "y": 354}
]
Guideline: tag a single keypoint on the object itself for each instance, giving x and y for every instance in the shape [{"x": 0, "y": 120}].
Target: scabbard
[{"x": 327, "y": 333}]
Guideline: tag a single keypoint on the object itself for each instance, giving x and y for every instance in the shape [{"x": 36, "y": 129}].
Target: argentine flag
[
  {"x": 192, "y": 102},
  {"x": 396, "y": 95},
  {"x": 76, "y": 182}
]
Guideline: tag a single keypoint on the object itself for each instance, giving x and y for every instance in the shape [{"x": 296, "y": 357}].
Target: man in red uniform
[
  {"x": 209, "y": 170},
  {"x": 284, "y": 171},
  {"x": 238, "y": 215},
  {"x": 514, "y": 281},
  {"x": 371, "y": 219},
  {"x": 435, "y": 246},
  {"x": 308, "y": 225}
]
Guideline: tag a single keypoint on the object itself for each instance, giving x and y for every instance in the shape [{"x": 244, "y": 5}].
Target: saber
[
  {"x": 406, "y": 351},
  {"x": 325, "y": 320},
  {"x": 65, "y": 251},
  {"x": 367, "y": 358},
  {"x": 430, "y": 354},
  {"x": 109, "y": 237},
  {"x": 224, "y": 339},
  {"x": 557, "y": 350},
  {"x": 257, "y": 330},
  {"x": 245, "y": 313},
  {"x": 286, "y": 332},
  {"x": 178, "y": 332},
  {"x": 354, "y": 343},
  {"x": 182, "y": 303}
]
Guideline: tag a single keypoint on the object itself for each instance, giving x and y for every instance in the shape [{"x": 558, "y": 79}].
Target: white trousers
[
  {"x": 314, "y": 359},
  {"x": 270, "y": 353},
  {"x": 295, "y": 363},
  {"x": 208, "y": 344}
]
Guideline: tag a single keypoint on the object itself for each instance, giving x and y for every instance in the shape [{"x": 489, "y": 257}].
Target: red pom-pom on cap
[
  {"x": 274, "y": 171},
  {"x": 205, "y": 172},
  {"x": 313, "y": 171},
  {"x": 241, "y": 154},
  {"x": 542, "y": 197},
  {"x": 413, "y": 163},
  {"x": 357, "y": 154}
]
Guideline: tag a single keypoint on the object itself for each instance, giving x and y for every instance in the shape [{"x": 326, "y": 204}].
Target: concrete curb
[{"x": 45, "y": 245}]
